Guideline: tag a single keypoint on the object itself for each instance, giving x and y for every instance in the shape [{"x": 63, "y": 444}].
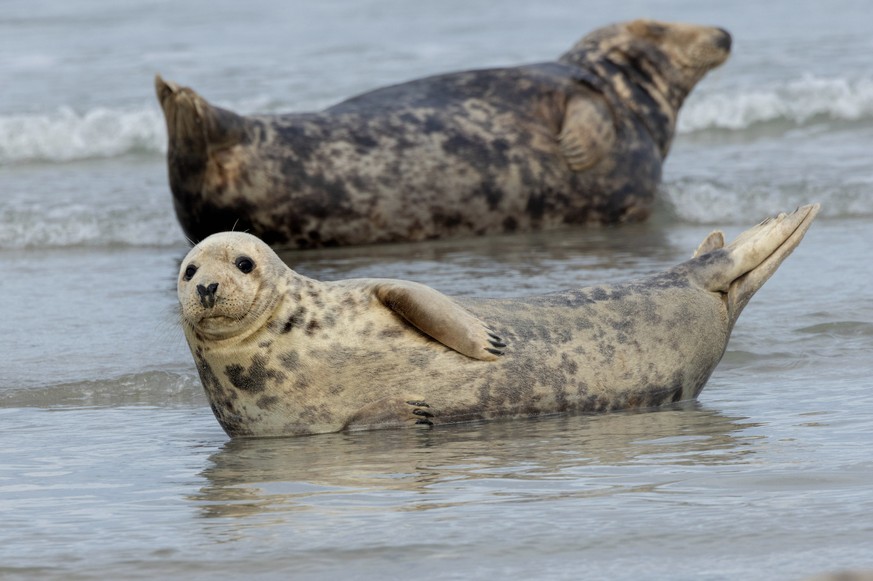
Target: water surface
[{"x": 112, "y": 466}]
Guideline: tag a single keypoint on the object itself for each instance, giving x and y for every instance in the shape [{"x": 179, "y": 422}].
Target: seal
[
  {"x": 282, "y": 354},
  {"x": 576, "y": 141}
]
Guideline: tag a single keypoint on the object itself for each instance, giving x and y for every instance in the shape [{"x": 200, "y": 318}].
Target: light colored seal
[
  {"x": 580, "y": 140},
  {"x": 282, "y": 354}
]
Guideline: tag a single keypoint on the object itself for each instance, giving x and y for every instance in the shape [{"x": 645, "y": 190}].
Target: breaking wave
[
  {"x": 66, "y": 135},
  {"x": 794, "y": 103}
]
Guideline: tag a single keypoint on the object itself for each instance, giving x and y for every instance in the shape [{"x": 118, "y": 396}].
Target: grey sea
[{"x": 113, "y": 467}]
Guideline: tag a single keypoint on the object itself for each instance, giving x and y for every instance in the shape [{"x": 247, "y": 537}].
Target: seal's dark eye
[
  {"x": 189, "y": 272},
  {"x": 245, "y": 264}
]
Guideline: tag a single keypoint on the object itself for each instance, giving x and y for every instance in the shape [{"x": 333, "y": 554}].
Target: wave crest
[
  {"x": 796, "y": 102},
  {"x": 67, "y": 136}
]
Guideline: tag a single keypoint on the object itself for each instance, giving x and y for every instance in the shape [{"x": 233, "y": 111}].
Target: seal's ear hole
[
  {"x": 245, "y": 264},
  {"x": 189, "y": 272}
]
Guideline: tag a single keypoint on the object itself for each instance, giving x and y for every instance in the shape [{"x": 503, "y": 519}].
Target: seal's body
[
  {"x": 282, "y": 354},
  {"x": 576, "y": 141}
]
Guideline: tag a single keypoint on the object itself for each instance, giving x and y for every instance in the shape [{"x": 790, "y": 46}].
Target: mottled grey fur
[
  {"x": 282, "y": 354},
  {"x": 580, "y": 140}
]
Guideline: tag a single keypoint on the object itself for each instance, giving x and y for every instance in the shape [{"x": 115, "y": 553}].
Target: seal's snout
[
  {"x": 207, "y": 294},
  {"x": 724, "y": 40}
]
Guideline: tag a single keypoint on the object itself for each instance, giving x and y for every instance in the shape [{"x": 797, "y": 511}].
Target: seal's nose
[
  {"x": 724, "y": 40},
  {"x": 207, "y": 294}
]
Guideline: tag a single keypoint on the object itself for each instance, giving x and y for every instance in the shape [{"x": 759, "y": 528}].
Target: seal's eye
[
  {"x": 189, "y": 272},
  {"x": 245, "y": 264}
]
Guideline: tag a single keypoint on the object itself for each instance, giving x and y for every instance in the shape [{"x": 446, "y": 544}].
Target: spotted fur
[
  {"x": 575, "y": 141},
  {"x": 282, "y": 354}
]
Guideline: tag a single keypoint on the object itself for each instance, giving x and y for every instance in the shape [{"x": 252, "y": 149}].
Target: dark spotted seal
[
  {"x": 576, "y": 141},
  {"x": 282, "y": 354}
]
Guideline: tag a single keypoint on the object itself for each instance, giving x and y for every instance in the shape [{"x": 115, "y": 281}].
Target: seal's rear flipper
[
  {"x": 192, "y": 121},
  {"x": 436, "y": 315},
  {"x": 744, "y": 265},
  {"x": 714, "y": 241}
]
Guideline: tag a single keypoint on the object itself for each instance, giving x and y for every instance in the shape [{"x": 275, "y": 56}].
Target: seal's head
[
  {"x": 227, "y": 286},
  {"x": 673, "y": 57}
]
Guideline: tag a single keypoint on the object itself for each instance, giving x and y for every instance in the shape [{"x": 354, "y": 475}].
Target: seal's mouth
[{"x": 212, "y": 320}]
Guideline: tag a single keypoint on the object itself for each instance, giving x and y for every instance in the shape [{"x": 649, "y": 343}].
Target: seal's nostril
[
  {"x": 207, "y": 294},
  {"x": 724, "y": 40},
  {"x": 207, "y": 290}
]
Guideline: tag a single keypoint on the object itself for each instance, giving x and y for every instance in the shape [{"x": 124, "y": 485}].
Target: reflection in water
[{"x": 520, "y": 460}]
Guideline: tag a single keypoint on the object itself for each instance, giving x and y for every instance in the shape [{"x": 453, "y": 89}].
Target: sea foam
[
  {"x": 65, "y": 135},
  {"x": 796, "y": 102}
]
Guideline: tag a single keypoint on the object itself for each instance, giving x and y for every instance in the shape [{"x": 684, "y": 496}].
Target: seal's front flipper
[
  {"x": 587, "y": 133},
  {"x": 392, "y": 412},
  {"x": 438, "y": 316}
]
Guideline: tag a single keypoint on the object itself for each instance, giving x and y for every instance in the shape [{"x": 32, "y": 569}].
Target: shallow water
[{"x": 112, "y": 466}]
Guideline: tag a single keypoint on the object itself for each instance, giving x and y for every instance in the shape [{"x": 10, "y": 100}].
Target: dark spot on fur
[
  {"x": 363, "y": 142},
  {"x": 492, "y": 194},
  {"x": 433, "y": 124},
  {"x": 312, "y": 327},
  {"x": 536, "y": 206},
  {"x": 510, "y": 224},
  {"x": 295, "y": 320},
  {"x": 267, "y": 401},
  {"x": 290, "y": 360},
  {"x": 254, "y": 379},
  {"x": 599, "y": 294},
  {"x": 448, "y": 221}
]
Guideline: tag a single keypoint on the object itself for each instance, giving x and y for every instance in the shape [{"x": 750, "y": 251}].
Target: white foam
[
  {"x": 66, "y": 135},
  {"x": 797, "y": 102}
]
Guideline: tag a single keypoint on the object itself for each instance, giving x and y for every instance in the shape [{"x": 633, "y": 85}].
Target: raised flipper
[
  {"x": 714, "y": 241},
  {"x": 439, "y": 317},
  {"x": 742, "y": 267},
  {"x": 587, "y": 133},
  {"x": 763, "y": 247},
  {"x": 192, "y": 121}
]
